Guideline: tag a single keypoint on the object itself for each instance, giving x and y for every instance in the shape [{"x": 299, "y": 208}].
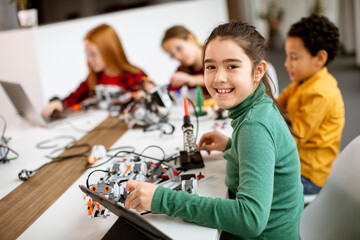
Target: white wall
[
  {"x": 18, "y": 64},
  {"x": 294, "y": 10},
  {"x": 60, "y": 62}
]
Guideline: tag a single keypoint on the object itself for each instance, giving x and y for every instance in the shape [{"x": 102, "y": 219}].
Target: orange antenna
[{"x": 186, "y": 107}]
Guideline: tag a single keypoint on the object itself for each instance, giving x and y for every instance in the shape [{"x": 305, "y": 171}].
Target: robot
[
  {"x": 113, "y": 184},
  {"x": 108, "y": 97},
  {"x": 150, "y": 111}
]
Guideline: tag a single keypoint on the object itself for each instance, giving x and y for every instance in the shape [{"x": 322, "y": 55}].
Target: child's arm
[
  {"x": 54, "y": 105},
  {"x": 78, "y": 95},
  {"x": 180, "y": 78},
  {"x": 245, "y": 216},
  {"x": 307, "y": 119}
]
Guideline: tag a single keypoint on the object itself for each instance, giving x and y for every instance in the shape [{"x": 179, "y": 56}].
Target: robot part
[
  {"x": 97, "y": 152},
  {"x": 190, "y": 158},
  {"x": 190, "y": 186},
  {"x": 189, "y": 140},
  {"x": 149, "y": 111},
  {"x": 94, "y": 209},
  {"x": 113, "y": 184},
  {"x": 108, "y": 95}
]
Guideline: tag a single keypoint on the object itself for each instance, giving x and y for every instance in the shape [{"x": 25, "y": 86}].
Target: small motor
[
  {"x": 97, "y": 152},
  {"x": 190, "y": 186}
]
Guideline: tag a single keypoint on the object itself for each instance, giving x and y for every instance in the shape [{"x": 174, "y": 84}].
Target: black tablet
[{"x": 128, "y": 220}]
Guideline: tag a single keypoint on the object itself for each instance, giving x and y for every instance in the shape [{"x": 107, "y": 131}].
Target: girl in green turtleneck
[{"x": 263, "y": 167}]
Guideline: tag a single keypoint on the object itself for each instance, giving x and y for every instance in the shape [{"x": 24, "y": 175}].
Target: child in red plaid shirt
[{"x": 108, "y": 65}]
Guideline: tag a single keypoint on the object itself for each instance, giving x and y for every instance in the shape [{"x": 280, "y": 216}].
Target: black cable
[
  {"x": 40, "y": 144},
  {"x": 154, "y": 146},
  {"x": 158, "y": 126},
  {"x": 5, "y": 158},
  {"x": 117, "y": 148},
  {"x": 88, "y": 177},
  {"x": 197, "y": 119},
  {"x": 4, "y": 128},
  {"x": 86, "y": 145},
  {"x": 130, "y": 152},
  {"x": 59, "y": 160},
  {"x": 26, "y": 174}
]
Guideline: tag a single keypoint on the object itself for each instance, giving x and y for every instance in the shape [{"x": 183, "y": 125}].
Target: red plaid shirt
[{"x": 128, "y": 81}]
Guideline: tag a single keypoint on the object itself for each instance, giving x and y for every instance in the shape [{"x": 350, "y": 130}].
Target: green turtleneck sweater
[{"x": 262, "y": 174}]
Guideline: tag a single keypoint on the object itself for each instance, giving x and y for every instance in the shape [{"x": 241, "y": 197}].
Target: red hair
[{"x": 108, "y": 42}]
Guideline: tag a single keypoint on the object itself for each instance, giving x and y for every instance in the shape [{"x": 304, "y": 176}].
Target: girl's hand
[
  {"x": 141, "y": 195},
  {"x": 55, "y": 105},
  {"x": 138, "y": 95},
  {"x": 179, "y": 79},
  {"x": 213, "y": 141},
  {"x": 149, "y": 84}
]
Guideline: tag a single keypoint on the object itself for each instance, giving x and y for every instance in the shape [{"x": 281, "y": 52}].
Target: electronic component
[
  {"x": 189, "y": 186},
  {"x": 97, "y": 152},
  {"x": 112, "y": 185},
  {"x": 5, "y": 150},
  {"x": 190, "y": 158},
  {"x": 150, "y": 112}
]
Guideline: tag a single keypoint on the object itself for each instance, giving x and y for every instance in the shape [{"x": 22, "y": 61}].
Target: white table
[{"x": 67, "y": 217}]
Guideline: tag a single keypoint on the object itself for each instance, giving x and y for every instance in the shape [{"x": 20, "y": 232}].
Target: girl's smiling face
[{"x": 229, "y": 74}]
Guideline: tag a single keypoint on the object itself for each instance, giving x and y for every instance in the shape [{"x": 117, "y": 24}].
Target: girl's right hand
[
  {"x": 179, "y": 79},
  {"x": 213, "y": 141},
  {"x": 55, "y": 105}
]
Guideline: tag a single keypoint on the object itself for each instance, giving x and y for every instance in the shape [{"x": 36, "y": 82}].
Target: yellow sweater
[{"x": 316, "y": 109}]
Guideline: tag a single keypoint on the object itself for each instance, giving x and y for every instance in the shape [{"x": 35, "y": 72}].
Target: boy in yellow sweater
[{"x": 313, "y": 100}]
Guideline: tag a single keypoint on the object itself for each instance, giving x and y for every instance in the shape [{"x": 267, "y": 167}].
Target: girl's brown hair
[
  {"x": 108, "y": 42},
  {"x": 255, "y": 47},
  {"x": 179, "y": 32}
]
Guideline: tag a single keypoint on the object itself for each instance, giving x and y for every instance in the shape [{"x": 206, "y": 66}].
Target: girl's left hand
[
  {"x": 179, "y": 79},
  {"x": 138, "y": 95},
  {"x": 141, "y": 195}
]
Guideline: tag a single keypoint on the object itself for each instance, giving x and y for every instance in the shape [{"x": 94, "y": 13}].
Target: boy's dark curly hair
[{"x": 317, "y": 33}]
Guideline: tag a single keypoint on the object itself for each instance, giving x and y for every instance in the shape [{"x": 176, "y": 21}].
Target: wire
[
  {"x": 88, "y": 177},
  {"x": 8, "y": 150},
  {"x": 88, "y": 148},
  {"x": 197, "y": 119},
  {"x": 40, "y": 144},
  {"x": 3, "y": 144},
  {"x": 118, "y": 148},
  {"x": 4, "y": 128},
  {"x": 159, "y": 126},
  {"x": 132, "y": 152},
  {"x": 153, "y": 146},
  {"x": 26, "y": 174},
  {"x": 58, "y": 160}
]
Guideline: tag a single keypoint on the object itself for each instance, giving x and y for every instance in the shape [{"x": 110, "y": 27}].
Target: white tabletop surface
[{"x": 67, "y": 217}]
